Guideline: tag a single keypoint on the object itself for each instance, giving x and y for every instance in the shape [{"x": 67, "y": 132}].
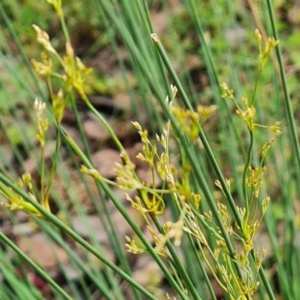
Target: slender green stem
[
  {"x": 65, "y": 29},
  {"x": 294, "y": 142},
  {"x": 287, "y": 102},
  {"x": 179, "y": 265},
  {"x": 104, "y": 217},
  {"x": 255, "y": 89},
  {"x": 130, "y": 221},
  {"x": 201, "y": 134},
  {"x": 246, "y": 169},
  {"x": 207, "y": 147},
  {"x": 38, "y": 269},
  {"x": 54, "y": 166},
  {"x": 198, "y": 173},
  {"x": 201, "y": 266},
  {"x": 196, "y": 13},
  {"x": 53, "y": 219},
  {"x": 43, "y": 174},
  {"x": 106, "y": 124},
  {"x": 26, "y": 61},
  {"x": 97, "y": 280}
]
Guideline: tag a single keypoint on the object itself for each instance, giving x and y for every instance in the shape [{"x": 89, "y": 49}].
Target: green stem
[
  {"x": 293, "y": 135},
  {"x": 98, "y": 280},
  {"x": 106, "y": 124},
  {"x": 103, "y": 216},
  {"x": 131, "y": 222},
  {"x": 287, "y": 102},
  {"x": 255, "y": 89},
  {"x": 198, "y": 173},
  {"x": 53, "y": 168},
  {"x": 178, "y": 264},
  {"x": 201, "y": 265},
  {"x": 54, "y": 220},
  {"x": 246, "y": 168},
  {"x": 65, "y": 29},
  {"x": 38, "y": 269},
  {"x": 25, "y": 59},
  {"x": 201, "y": 134}
]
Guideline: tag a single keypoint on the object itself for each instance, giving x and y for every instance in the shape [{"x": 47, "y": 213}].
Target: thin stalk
[
  {"x": 97, "y": 281},
  {"x": 193, "y": 160},
  {"x": 246, "y": 168},
  {"x": 284, "y": 281},
  {"x": 140, "y": 57},
  {"x": 201, "y": 266},
  {"x": 287, "y": 102},
  {"x": 65, "y": 29},
  {"x": 131, "y": 222},
  {"x": 198, "y": 172},
  {"x": 21, "y": 50},
  {"x": 201, "y": 134},
  {"x": 57, "y": 222},
  {"x": 178, "y": 264},
  {"x": 110, "y": 32},
  {"x": 100, "y": 212},
  {"x": 106, "y": 124},
  {"x": 104, "y": 218},
  {"x": 293, "y": 135},
  {"x": 212, "y": 71},
  {"x": 39, "y": 270},
  {"x": 53, "y": 168},
  {"x": 133, "y": 17}
]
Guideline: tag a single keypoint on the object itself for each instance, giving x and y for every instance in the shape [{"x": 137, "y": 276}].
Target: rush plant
[{"x": 201, "y": 225}]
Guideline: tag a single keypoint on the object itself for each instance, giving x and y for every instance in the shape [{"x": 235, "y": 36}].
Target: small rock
[
  {"x": 145, "y": 175},
  {"x": 74, "y": 134},
  {"x": 105, "y": 162},
  {"x": 42, "y": 251},
  {"x": 147, "y": 272},
  {"x": 31, "y": 164},
  {"x": 235, "y": 35},
  {"x": 90, "y": 226},
  {"x": 23, "y": 229},
  {"x": 122, "y": 227},
  {"x": 94, "y": 129}
]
